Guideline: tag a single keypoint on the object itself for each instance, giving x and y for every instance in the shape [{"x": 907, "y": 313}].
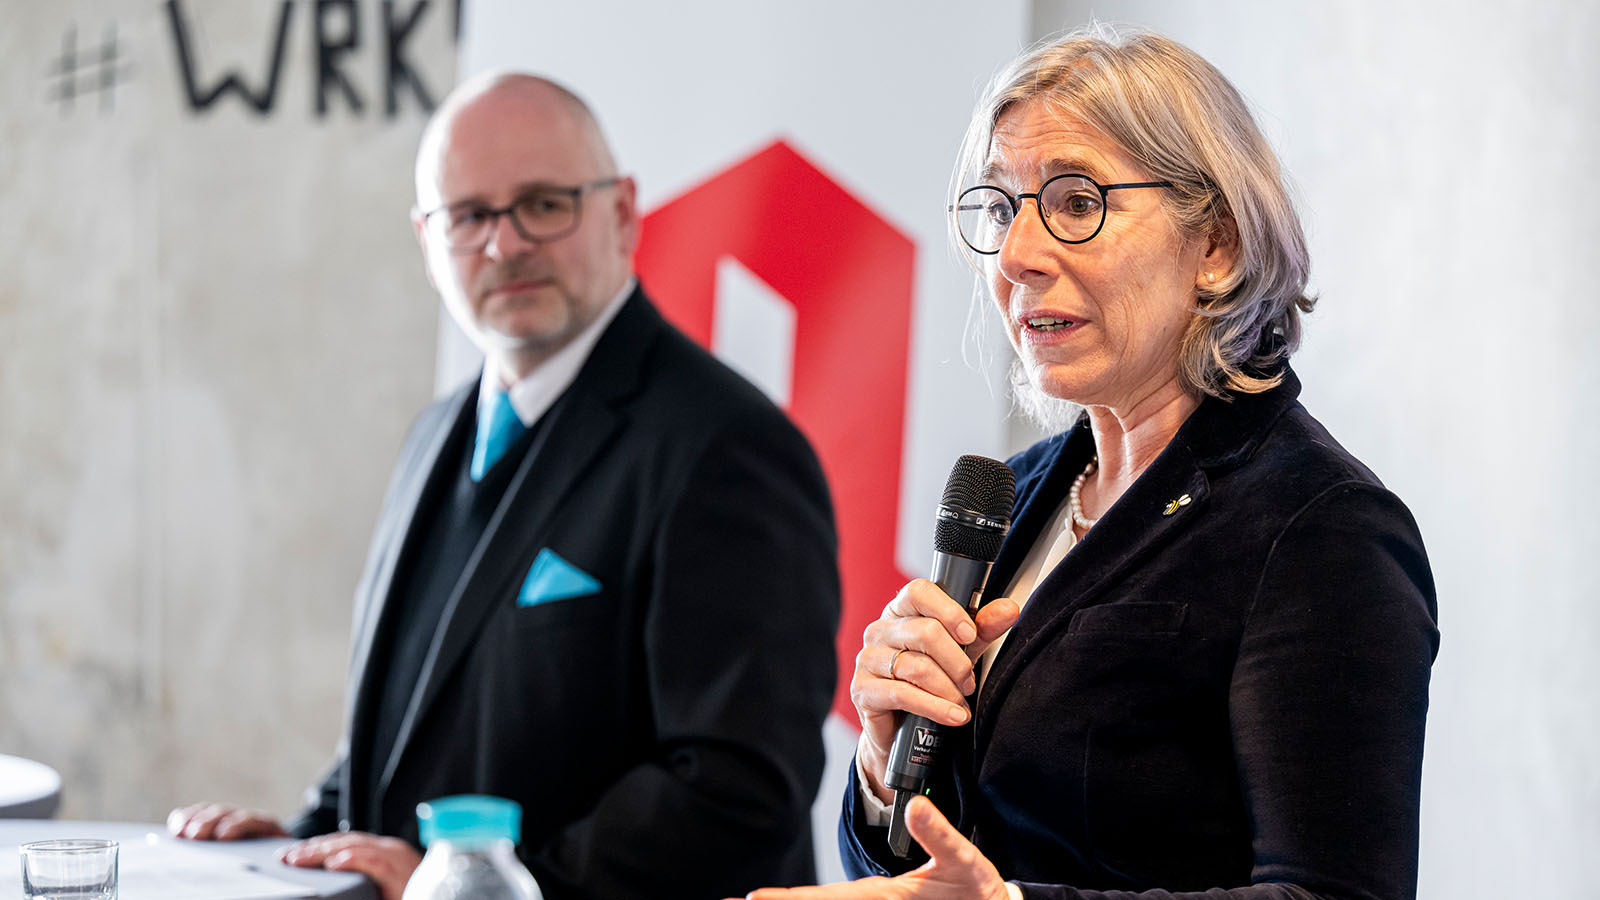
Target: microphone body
[
  {"x": 919, "y": 742},
  {"x": 974, "y": 517}
]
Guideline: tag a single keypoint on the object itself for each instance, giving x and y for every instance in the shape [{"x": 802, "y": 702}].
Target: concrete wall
[
  {"x": 1444, "y": 158},
  {"x": 214, "y": 330}
]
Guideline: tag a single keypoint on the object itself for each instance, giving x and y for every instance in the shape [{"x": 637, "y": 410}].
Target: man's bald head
[
  {"x": 517, "y": 163},
  {"x": 468, "y": 105}
]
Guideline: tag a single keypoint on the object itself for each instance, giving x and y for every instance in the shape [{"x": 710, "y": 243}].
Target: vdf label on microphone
[{"x": 925, "y": 743}]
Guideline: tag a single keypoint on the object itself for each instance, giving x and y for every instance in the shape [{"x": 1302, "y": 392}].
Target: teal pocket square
[{"x": 552, "y": 578}]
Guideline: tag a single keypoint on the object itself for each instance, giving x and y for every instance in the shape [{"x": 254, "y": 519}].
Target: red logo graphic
[{"x": 848, "y": 274}]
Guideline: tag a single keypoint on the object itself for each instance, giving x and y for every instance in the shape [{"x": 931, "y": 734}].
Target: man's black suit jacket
[
  {"x": 663, "y": 735},
  {"x": 1223, "y": 686}
]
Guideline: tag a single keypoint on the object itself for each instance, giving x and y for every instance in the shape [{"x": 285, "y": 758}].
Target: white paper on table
[{"x": 160, "y": 869}]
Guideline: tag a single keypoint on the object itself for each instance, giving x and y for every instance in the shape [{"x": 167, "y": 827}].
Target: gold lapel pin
[{"x": 1172, "y": 506}]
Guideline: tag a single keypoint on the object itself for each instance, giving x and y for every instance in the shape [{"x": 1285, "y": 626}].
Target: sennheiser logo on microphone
[{"x": 968, "y": 517}]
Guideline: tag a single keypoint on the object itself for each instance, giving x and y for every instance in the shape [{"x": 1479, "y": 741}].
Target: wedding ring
[{"x": 893, "y": 660}]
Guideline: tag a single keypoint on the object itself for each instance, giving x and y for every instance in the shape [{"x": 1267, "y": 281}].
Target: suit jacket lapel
[
  {"x": 398, "y": 523},
  {"x": 1036, "y": 500},
  {"x": 1124, "y": 538},
  {"x": 581, "y": 424},
  {"x": 1219, "y": 433}
]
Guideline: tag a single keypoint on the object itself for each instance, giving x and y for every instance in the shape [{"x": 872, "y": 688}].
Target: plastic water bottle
[{"x": 471, "y": 851}]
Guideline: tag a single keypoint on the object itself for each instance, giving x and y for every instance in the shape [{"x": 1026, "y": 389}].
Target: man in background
[{"x": 603, "y": 583}]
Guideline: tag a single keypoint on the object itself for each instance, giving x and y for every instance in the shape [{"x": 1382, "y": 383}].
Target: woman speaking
[{"x": 1202, "y": 669}]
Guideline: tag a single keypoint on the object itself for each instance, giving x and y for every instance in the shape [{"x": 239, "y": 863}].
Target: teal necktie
[{"x": 498, "y": 429}]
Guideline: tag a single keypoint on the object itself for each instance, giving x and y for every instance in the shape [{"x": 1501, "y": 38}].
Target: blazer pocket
[
  {"x": 1130, "y": 619},
  {"x": 555, "y": 613}
]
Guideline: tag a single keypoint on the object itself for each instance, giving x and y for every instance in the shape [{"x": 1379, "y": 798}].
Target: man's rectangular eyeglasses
[
  {"x": 545, "y": 213},
  {"x": 1072, "y": 207}
]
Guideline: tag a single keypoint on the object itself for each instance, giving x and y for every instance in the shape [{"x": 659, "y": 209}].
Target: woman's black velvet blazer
[{"x": 1221, "y": 691}]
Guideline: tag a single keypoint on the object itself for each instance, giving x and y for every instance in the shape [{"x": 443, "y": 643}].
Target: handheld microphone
[{"x": 974, "y": 516}]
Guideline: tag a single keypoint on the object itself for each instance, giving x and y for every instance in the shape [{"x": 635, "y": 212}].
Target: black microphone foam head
[{"x": 975, "y": 512}]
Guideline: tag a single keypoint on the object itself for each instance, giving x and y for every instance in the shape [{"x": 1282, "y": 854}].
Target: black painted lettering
[
  {"x": 398, "y": 71},
  {"x": 331, "y": 48},
  {"x": 201, "y": 99}
]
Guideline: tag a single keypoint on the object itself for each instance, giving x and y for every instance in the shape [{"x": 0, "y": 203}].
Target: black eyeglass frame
[
  {"x": 494, "y": 214},
  {"x": 1016, "y": 206}
]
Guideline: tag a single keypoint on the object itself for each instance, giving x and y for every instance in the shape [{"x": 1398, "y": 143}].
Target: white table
[
  {"x": 141, "y": 844},
  {"x": 28, "y": 789}
]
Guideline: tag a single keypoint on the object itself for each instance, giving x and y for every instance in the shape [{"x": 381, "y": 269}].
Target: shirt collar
[{"x": 533, "y": 396}]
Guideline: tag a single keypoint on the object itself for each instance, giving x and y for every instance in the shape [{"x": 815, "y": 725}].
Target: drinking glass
[{"x": 69, "y": 870}]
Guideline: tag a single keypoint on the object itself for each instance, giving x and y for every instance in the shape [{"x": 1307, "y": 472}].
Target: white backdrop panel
[{"x": 875, "y": 94}]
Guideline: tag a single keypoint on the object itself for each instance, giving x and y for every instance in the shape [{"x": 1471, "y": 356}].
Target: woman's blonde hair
[{"x": 1183, "y": 121}]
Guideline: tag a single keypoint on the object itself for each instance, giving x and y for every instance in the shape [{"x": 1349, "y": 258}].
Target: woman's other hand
[{"x": 955, "y": 871}]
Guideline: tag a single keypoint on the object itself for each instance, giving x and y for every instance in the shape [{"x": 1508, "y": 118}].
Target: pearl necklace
[{"x": 1074, "y": 498}]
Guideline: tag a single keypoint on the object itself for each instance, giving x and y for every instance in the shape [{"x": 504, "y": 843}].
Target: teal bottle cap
[{"x": 469, "y": 819}]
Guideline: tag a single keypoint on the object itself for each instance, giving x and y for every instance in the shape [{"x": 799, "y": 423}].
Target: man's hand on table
[
  {"x": 220, "y": 822},
  {"x": 388, "y": 861}
]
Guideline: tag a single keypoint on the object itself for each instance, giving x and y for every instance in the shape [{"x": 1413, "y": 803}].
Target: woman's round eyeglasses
[{"x": 1073, "y": 208}]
